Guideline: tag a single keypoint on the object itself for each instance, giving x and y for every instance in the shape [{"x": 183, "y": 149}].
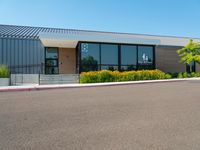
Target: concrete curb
[{"x": 59, "y": 86}]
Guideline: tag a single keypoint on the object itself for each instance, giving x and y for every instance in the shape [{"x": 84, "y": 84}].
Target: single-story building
[{"x": 41, "y": 50}]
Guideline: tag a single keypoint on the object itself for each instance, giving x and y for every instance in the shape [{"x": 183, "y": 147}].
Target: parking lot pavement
[{"x": 157, "y": 116}]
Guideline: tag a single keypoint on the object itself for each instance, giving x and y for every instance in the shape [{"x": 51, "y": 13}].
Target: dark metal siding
[{"x": 22, "y": 55}]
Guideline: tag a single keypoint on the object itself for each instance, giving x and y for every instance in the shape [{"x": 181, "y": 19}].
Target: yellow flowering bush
[{"x": 116, "y": 76}]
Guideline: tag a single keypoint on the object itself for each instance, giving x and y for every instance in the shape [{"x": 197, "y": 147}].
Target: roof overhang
[
  {"x": 70, "y": 40},
  {"x": 58, "y": 43}
]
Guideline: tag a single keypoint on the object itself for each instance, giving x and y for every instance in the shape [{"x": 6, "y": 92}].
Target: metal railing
[
  {"x": 27, "y": 69},
  {"x": 34, "y": 74},
  {"x": 25, "y": 74}
]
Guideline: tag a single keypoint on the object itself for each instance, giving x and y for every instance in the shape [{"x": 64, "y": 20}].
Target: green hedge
[
  {"x": 185, "y": 75},
  {"x": 116, "y": 76},
  {"x": 4, "y": 71}
]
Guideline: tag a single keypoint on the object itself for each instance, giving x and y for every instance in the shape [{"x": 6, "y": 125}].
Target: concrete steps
[{"x": 59, "y": 79}]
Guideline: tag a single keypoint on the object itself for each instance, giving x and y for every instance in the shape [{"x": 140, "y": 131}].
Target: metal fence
[
  {"x": 35, "y": 74},
  {"x": 25, "y": 74},
  {"x": 27, "y": 69}
]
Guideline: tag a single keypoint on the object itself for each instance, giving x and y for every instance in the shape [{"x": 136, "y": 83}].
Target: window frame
[
  {"x": 80, "y": 54},
  {"x": 56, "y": 59},
  {"x": 119, "y": 54},
  {"x": 105, "y": 64},
  {"x": 153, "y": 56}
]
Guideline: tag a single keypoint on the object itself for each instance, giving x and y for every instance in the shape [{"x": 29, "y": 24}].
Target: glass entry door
[{"x": 51, "y": 61}]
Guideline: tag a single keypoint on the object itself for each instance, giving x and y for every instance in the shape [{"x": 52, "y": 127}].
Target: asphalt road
[{"x": 161, "y": 116}]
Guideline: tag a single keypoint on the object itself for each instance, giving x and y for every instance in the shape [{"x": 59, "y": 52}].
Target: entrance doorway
[{"x": 51, "y": 61}]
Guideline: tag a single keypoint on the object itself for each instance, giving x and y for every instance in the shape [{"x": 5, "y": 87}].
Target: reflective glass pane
[
  {"x": 145, "y": 57},
  {"x": 52, "y": 53},
  {"x": 145, "y": 54},
  {"x": 90, "y": 51},
  {"x": 50, "y": 62},
  {"x": 109, "y": 67},
  {"x": 109, "y": 54},
  {"x": 90, "y": 56},
  {"x": 128, "y": 68},
  {"x": 128, "y": 55},
  {"x": 86, "y": 68},
  {"x": 51, "y": 70}
]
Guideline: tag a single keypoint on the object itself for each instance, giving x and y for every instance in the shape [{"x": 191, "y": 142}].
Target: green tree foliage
[
  {"x": 89, "y": 63},
  {"x": 190, "y": 53}
]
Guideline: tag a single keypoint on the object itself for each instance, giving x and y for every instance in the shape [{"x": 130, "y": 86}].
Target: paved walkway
[
  {"x": 54, "y": 86},
  {"x": 156, "y": 116}
]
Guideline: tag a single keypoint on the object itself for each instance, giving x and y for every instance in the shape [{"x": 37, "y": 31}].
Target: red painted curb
[{"x": 16, "y": 89}]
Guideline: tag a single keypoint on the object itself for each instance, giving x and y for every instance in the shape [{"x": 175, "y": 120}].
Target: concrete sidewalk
[{"x": 57, "y": 86}]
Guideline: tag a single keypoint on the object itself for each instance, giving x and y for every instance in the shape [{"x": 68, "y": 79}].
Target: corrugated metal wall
[{"x": 22, "y": 55}]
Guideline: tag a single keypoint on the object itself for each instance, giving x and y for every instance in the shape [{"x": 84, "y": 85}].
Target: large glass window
[
  {"x": 128, "y": 57},
  {"x": 51, "y": 61},
  {"x": 109, "y": 57},
  {"x": 145, "y": 57},
  {"x": 100, "y": 56},
  {"x": 90, "y": 57}
]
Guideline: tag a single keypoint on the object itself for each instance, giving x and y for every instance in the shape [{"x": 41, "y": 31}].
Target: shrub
[
  {"x": 193, "y": 74},
  {"x": 168, "y": 76},
  {"x": 89, "y": 77},
  {"x": 180, "y": 75},
  {"x": 174, "y": 75},
  {"x": 197, "y": 74},
  {"x": 105, "y": 76},
  {"x": 186, "y": 75},
  {"x": 4, "y": 71},
  {"x": 116, "y": 76}
]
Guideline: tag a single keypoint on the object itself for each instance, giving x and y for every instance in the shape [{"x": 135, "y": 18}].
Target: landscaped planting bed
[{"x": 116, "y": 76}]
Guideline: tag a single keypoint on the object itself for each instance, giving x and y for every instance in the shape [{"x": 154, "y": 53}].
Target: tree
[
  {"x": 89, "y": 64},
  {"x": 190, "y": 53}
]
